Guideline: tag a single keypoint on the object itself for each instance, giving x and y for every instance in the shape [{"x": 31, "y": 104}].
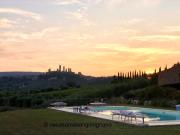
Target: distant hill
[
  {"x": 38, "y": 80},
  {"x": 14, "y": 74}
]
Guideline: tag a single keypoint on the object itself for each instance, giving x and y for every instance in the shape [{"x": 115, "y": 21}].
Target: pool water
[{"x": 162, "y": 115}]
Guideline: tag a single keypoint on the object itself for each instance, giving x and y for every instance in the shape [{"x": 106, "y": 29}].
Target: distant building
[
  {"x": 79, "y": 73},
  {"x": 59, "y": 68},
  {"x": 49, "y": 70},
  {"x": 64, "y": 69},
  {"x": 170, "y": 77}
]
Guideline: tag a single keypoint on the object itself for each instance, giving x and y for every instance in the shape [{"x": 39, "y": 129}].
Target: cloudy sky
[{"x": 96, "y": 37}]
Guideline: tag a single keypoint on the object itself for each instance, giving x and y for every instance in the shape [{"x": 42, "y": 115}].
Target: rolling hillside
[{"x": 19, "y": 74}]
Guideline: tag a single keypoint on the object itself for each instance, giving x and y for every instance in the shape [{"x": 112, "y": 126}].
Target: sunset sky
[{"x": 96, "y": 37}]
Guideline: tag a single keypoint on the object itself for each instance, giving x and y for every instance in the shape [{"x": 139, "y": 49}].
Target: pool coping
[
  {"x": 105, "y": 117},
  {"x": 95, "y": 116}
]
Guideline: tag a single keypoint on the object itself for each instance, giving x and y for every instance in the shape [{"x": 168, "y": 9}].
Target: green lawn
[{"x": 31, "y": 122}]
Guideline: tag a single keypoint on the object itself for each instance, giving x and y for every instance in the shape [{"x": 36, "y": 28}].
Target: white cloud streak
[
  {"x": 171, "y": 29},
  {"x": 151, "y": 2},
  {"x": 20, "y": 12},
  {"x": 5, "y": 23},
  {"x": 80, "y": 16},
  {"x": 66, "y": 2},
  {"x": 122, "y": 48},
  {"x": 160, "y": 38}
]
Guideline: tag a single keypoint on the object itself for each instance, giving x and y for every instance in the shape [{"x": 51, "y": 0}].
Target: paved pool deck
[{"x": 137, "y": 122}]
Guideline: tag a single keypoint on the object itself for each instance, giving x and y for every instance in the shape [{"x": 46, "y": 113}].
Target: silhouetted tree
[{"x": 160, "y": 69}]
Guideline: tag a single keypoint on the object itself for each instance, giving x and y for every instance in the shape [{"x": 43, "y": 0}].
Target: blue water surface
[{"x": 162, "y": 114}]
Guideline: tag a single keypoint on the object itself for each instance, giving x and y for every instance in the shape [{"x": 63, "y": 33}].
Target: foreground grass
[{"x": 31, "y": 122}]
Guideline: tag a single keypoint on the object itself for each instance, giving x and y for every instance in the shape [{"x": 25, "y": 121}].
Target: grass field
[{"x": 34, "y": 122}]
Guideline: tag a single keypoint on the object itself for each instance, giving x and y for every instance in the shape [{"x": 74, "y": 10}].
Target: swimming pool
[{"x": 157, "y": 114}]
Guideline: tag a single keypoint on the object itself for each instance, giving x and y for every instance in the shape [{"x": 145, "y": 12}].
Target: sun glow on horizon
[{"x": 99, "y": 37}]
